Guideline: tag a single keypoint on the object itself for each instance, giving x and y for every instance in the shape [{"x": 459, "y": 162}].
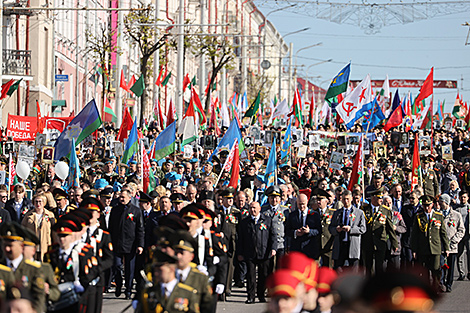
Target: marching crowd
[{"x": 312, "y": 242}]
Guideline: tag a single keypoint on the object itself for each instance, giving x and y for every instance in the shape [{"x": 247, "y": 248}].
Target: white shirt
[
  {"x": 167, "y": 288},
  {"x": 428, "y": 215},
  {"x": 181, "y": 275},
  {"x": 65, "y": 253},
  {"x": 13, "y": 264},
  {"x": 256, "y": 218}
]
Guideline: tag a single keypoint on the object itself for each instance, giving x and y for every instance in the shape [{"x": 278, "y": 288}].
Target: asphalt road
[{"x": 454, "y": 302}]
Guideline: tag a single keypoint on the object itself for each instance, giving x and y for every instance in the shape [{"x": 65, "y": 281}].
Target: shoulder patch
[
  {"x": 5, "y": 268},
  {"x": 388, "y": 208},
  {"x": 105, "y": 232},
  {"x": 438, "y": 212},
  {"x": 32, "y": 263},
  {"x": 187, "y": 287}
]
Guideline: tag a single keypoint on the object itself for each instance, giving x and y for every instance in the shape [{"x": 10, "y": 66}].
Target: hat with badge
[
  {"x": 101, "y": 183},
  {"x": 282, "y": 283},
  {"x": 326, "y": 276},
  {"x": 90, "y": 193},
  {"x": 182, "y": 239},
  {"x": 192, "y": 211},
  {"x": 172, "y": 176},
  {"x": 321, "y": 194},
  {"x": 399, "y": 292},
  {"x": 107, "y": 192},
  {"x": 258, "y": 157},
  {"x": 177, "y": 197},
  {"x": 273, "y": 191},
  {"x": 426, "y": 200},
  {"x": 18, "y": 291},
  {"x": 59, "y": 194},
  {"x": 12, "y": 231},
  {"x": 145, "y": 198},
  {"x": 92, "y": 204},
  {"x": 66, "y": 225},
  {"x": 81, "y": 216},
  {"x": 206, "y": 195},
  {"x": 379, "y": 193},
  {"x": 161, "y": 258},
  {"x": 228, "y": 193},
  {"x": 209, "y": 215},
  {"x": 173, "y": 221},
  {"x": 304, "y": 268}
]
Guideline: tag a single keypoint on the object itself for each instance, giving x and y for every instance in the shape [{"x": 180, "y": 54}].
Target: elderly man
[
  {"x": 464, "y": 209},
  {"x": 455, "y": 232}
]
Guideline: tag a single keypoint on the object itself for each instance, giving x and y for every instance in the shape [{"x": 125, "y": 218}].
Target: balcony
[{"x": 16, "y": 62}]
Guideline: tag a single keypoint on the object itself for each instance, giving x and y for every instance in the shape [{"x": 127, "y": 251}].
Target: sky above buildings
[{"x": 403, "y": 51}]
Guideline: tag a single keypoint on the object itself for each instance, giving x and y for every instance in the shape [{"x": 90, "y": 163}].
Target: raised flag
[
  {"x": 138, "y": 87},
  {"x": 188, "y": 127},
  {"x": 159, "y": 114},
  {"x": 383, "y": 98},
  {"x": 235, "y": 175},
  {"x": 132, "y": 144},
  {"x": 397, "y": 115},
  {"x": 270, "y": 174},
  {"x": 457, "y": 110},
  {"x": 373, "y": 117},
  {"x": 158, "y": 82},
  {"x": 82, "y": 126},
  {"x": 311, "y": 112},
  {"x": 14, "y": 87},
  {"x": 5, "y": 88},
  {"x": 229, "y": 161},
  {"x": 281, "y": 110},
  {"x": 233, "y": 132},
  {"x": 358, "y": 170},
  {"x": 73, "y": 180},
  {"x": 253, "y": 109},
  {"x": 286, "y": 144},
  {"x": 148, "y": 179},
  {"x": 427, "y": 87},
  {"x": 109, "y": 115},
  {"x": 186, "y": 81},
  {"x": 166, "y": 79},
  {"x": 354, "y": 102},
  {"x": 151, "y": 152},
  {"x": 123, "y": 83},
  {"x": 297, "y": 109},
  {"x": 166, "y": 142},
  {"x": 198, "y": 107},
  {"x": 339, "y": 84},
  {"x": 40, "y": 118},
  {"x": 171, "y": 113},
  {"x": 126, "y": 126},
  {"x": 416, "y": 165}
]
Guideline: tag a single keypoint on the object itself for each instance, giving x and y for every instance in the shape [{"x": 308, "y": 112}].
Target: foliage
[{"x": 258, "y": 83}]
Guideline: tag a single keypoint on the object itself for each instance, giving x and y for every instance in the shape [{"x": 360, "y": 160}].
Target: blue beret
[
  {"x": 133, "y": 162},
  {"x": 194, "y": 160},
  {"x": 101, "y": 183}
]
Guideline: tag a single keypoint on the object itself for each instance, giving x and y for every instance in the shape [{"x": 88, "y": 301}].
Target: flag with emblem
[
  {"x": 350, "y": 109},
  {"x": 188, "y": 126},
  {"x": 357, "y": 171},
  {"x": 270, "y": 175},
  {"x": 235, "y": 175},
  {"x": 132, "y": 144},
  {"x": 416, "y": 165},
  {"x": 373, "y": 116},
  {"x": 339, "y": 84},
  {"x": 82, "y": 126},
  {"x": 285, "y": 149},
  {"x": 166, "y": 142},
  {"x": 73, "y": 179},
  {"x": 253, "y": 110},
  {"x": 427, "y": 87},
  {"x": 226, "y": 143}
]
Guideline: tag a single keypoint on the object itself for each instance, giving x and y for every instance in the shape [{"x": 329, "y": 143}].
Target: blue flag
[
  {"x": 165, "y": 143},
  {"x": 227, "y": 141},
  {"x": 375, "y": 116},
  {"x": 285, "y": 148},
  {"x": 269, "y": 176},
  {"x": 132, "y": 144},
  {"x": 82, "y": 126},
  {"x": 361, "y": 113},
  {"x": 74, "y": 169}
]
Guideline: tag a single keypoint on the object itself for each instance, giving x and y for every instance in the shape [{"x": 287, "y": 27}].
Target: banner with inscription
[{"x": 22, "y": 128}]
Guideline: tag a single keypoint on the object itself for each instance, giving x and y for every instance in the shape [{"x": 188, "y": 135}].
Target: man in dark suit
[
  {"x": 127, "y": 234},
  {"x": 19, "y": 205},
  {"x": 304, "y": 228},
  {"x": 256, "y": 245},
  {"x": 408, "y": 212},
  {"x": 399, "y": 201}
]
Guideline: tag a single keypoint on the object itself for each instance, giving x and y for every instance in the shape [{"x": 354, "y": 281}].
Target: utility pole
[
  {"x": 202, "y": 64},
  {"x": 77, "y": 72},
  {"x": 118, "y": 99},
  {"x": 156, "y": 63},
  {"x": 180, "y": 65},
  {"x": 289, "y": 85},
  {"x": 85, "y": 72}
]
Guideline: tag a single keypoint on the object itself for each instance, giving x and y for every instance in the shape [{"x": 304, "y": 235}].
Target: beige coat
[
  {"x": 455, "y": 229},
  {"x": 42, "y": 230}
]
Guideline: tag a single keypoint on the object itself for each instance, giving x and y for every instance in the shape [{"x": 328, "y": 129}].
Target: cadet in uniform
[
  {"x": 430, "y": 183},
  {"x": 26, "y": 272},
  {"x": 379, "y": 230},
  {"x": 274, "y": 210},
  {"x": 326, "y": 214},
  {"x": 429, "y": 238}
]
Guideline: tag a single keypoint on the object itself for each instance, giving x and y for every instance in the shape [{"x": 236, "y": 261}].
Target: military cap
[
  {"x": 194, "y": 160},
  {"x": 113, "y": 157},
  {"x": 209, "y": 163},
  {"x": 206, "y": 195},
  {"x": 224, "y": 153},
  {"x": 304, "y": 268},
  {"x": 12, "y": 231},
  {"x": 321, "y": 194},
  {"x": 258, "y": 157},
  {"x": 284, "y": 167},
  {"x": 107, "y": 161},
  {"x": 161, "y": 258},
  {"x": 90, "y": 193},
  {"x": 425, "y": 160},
  {"x": 92, "y": 204},
  {"x": 59, "y": 194},
  {"x": 346, "y": 169},
  {"x": 81, "y": 216},
  {"x": 177, "y": 197},
  {"x": 101, "y": 183},
  {"x": 326, "y": 276},
  {"x": 66, "y": 226},
  {"x": 273, "y": 191},
  {"x": 191, "y": 212},
  {"x": 377, "y": 192},
  {"x": 133, "y": 162},
  {"x": 154, "y": 194},
  {"x": 173, "y": 221},
  {"x": 145, "y": 198},
  {"x": 209, "y": 215},
  {"x": 169, "y": 161},
  {"x": 172, "y": 176},
  {"x": 30, "y": 238},
  {"x": 123, "y": 165},
  {"x": 227, "y": 193},
  {"x": 399, "y": 292},
  {"x": 407, "y": 169},
  {"x": 3, "y": 161},
  {"x": 378, "y": 175},
  {"x": 107, "y": 192},
  {"x": 282, "y": 283},
  {"x": 179, "y": 165},
  {"x": 426, "y": 200},
  {"x": 182, "y": 239},
  {"x": 445, "y": 198}
]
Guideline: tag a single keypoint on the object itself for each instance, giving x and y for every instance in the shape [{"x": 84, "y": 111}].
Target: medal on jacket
[{"x": 262, "y": 226}]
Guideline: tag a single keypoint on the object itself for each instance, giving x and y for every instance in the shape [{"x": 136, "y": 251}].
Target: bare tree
[{"x": 139, "y": 27}]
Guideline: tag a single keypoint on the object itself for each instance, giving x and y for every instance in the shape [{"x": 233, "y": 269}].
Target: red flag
[
  {"x": 122, "y": 83},
  {"x": 159, "y": 78},
  {"x": 12, "y": 169},
  {"x": 467, "y": 119},
  {"x": 126, "y": 126},
  {"x": 395, "y": 119},
  {"x": 198, "y": 106},
  {"x": 170, "y": 117},
  {"x": 416, "y": 173},
  {"x": 357, "y": 171},
  {"x": 235, "y": 168},
  {"x": 39, "y": 117},
  {"x": 5, "y": 88},
  {"x": 427, "y": 88},
  {"x": 311, "y": 112},
  {"x": 131, "y": 83},
  {"x": 145, "y": 168},
  {"x": 186, "y": 81}
]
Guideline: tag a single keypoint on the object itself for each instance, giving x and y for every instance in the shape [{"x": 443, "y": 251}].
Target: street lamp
[
  {"x": 290, "y": 69},
  {"x": 280, "y": 56},
  {"x": 308, "y": 77}
]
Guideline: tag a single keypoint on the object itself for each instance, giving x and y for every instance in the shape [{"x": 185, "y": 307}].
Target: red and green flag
[
  {"x": 253, "y": 110},
  {"x": 109, "y": 115},
  {"x": 166, "y": 79}
]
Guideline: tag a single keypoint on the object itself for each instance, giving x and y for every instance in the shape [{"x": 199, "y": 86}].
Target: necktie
[
  {"x": 346, "y": 217},
  {"x": 302, "y": 216},
  {"x": 88, "y": 237}
]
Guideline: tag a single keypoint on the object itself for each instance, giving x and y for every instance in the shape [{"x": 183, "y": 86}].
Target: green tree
[{"x": 139, "y": 27}]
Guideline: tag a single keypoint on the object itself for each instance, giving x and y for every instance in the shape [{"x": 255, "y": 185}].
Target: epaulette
[
  {"x": 32, "y": 263},
  {"x": 105, "y": 232},
  {"x": 235, "y": 209},
  {"x": 193, "y": 265},
  {"x": 5, "y": 268},
  {"x": 388, "y": 208},
  {"x": 206, "y": 238},
  {"x": 438, "y": 212},
  {"x": 81, "y": 254},
  {"x": 73, "y": 206},
  {"x": 88, "y": 245},
  {"x": 187, "y": 287},
  {"x": 331, "y": 209},
  {"x": 218, "y": 235}
]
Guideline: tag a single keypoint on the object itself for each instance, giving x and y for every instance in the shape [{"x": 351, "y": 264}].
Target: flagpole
[{"x": 9, "y": 177}]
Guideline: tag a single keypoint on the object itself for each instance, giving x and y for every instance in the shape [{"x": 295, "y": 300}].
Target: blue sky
[{"x": 402, "y": 51}]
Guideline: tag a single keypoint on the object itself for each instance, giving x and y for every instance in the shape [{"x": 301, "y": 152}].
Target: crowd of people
[{"x": 311, "y": 242}]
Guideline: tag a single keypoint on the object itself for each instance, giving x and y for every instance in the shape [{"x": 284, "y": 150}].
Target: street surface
[{"x": 454, "y": 302}]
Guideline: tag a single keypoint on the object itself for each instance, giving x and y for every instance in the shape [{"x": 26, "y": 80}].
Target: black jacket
[
  {"x": 150, "y": 223},
  {"x": 256, "y": 241},
  {"x": 25, "y": 207},
  {"x": 408, "y": 213},
  {"x": 126, "y": 228},
  {"x": 309, "y": 244}
]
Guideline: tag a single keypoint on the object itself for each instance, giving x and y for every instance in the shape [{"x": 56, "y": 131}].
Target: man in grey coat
[
  {"x": 347, "y": 225},
  {"x": 463, "y": 209}
]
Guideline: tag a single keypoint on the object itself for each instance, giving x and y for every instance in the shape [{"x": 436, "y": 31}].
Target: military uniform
[
  {"x": 326, "y": 238},
  {"x": 7, "y": 280},
  {"x": 374, "y": 240},
  {"x": 430, "y": 183}
]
